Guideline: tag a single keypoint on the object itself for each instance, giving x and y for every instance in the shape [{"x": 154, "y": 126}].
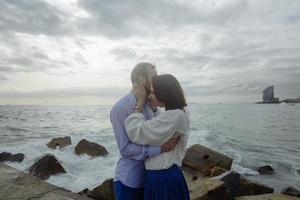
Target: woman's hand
[{"x": 140, "y": 94}]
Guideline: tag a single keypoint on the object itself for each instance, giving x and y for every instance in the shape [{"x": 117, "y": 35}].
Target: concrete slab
[
  {"x": 267, "y": 197},
  {"x": 17, "y": 185}
]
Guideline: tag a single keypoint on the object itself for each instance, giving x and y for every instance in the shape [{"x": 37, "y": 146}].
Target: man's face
[{"x": 151, "y": 73}]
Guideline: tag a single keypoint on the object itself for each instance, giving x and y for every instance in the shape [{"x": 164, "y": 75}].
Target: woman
[{"x": 164, "y": 179}]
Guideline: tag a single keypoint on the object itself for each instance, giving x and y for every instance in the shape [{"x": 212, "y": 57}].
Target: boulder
[
  {"x": 17, "y": 185},
  {"x": 103, "y": 192},
  {"x": 267, "y": 197},
  {"x": 291, "y": 191},
  {"x": 203, "y": 188},
  {"x": 265, "y": 170},
  {"x": 232, "y": 183},
  {"x": 249, "y": 187},
  {"x": 86, "y": 192},
  {"x": 59, "y": 142},
  {"x": 4, "y": 156},
  {"x": 240, "y": 186},
  {"x": 90, "y": 148},
  {"x": 203, "y": 159},
  {"x": 46, "y": 166}
]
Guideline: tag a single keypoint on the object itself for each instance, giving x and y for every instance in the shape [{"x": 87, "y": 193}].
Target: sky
[{"x": 81, "y": 52}]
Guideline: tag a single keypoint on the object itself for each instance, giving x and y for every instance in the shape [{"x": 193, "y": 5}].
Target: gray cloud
[
  {"x": 27, "y": 62},
  {"x": 235, "y": 47},
  {"x": 117, "y": 19},
  {"x": 2, "y": 79},
  {"x": 123, "y": 53},
  {"x": 25, "y": 53},
  {"x": 121, "y": 19},
  {"x": 247, "y": 74},
  {"x": 34, "y": 17}
]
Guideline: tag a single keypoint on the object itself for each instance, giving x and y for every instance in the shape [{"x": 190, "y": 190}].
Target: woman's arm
[{"x": 156, "y": 131}]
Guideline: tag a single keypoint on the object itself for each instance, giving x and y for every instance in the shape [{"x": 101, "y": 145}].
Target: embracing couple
[{"x": 151, "y": 143}]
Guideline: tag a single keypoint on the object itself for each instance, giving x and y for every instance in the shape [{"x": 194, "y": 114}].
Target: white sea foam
[
  {"x": 243, "y": 170},
  {"x": 82, "y": 171}
]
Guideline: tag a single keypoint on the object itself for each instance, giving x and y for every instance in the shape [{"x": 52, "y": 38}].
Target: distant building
[
  {"x": 268, "y": 97},
  {"x": 268, "y": 94}
]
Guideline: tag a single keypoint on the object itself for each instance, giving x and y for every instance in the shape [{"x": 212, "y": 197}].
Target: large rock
[
  {"x": 203, "y": 159},
  {"x": 232, "y": 182},
  {"x": 291, "y": 191},
  {"x": 104, "y": 192},
  {"x": 267, "y": 197},
  {"x": 250, "y": 187},
  {"x": 90, "y": 148},
  {"x": 240, "y": 186},
  {"x": 202, "y": 188},
  {"x": 265, "y": 170},
  {"x": 46, "y": 166},
  {"x": 16, "y": 185},
  {"x": 86, "y": 192},
  {"x": 59, "y": 142},
  {"x": 4, "y": 156}
]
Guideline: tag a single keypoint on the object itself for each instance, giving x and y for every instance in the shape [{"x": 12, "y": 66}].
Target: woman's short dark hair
[{"x": 168, "y": 91}]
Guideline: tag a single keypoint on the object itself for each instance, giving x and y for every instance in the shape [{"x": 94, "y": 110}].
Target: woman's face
[{"x": 153, "y": 100}]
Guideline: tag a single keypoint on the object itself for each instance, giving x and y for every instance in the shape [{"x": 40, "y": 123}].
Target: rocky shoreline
[{"x": 207, "y": 173}]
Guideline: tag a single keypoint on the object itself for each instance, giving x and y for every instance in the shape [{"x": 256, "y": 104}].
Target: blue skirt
[{"x": 166, "y": 184}]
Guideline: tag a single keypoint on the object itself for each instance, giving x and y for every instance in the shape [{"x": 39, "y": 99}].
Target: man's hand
[{"x": 169, "y": 145}]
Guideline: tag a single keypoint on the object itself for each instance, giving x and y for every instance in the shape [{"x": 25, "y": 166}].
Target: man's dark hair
[
  {"x": 168, "y": 90},
  {"x": 141, "y": 69}
]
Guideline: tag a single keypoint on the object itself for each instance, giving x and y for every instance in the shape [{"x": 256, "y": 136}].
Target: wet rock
[
  {"x": 249, "y": 187},
  {"x": 46, "y": 166},
  {"x": 59, "y": 142},
  {"x": 265, "y": 170},
  {"x": 291, "y": 191},
  {"x": 86, "y": 192},
  {"x": 90, "y": 148},
  {"x": 4, "y": 156},
  {"x": 203, "y": 188},
  {"x": 240, "y": 186},
  {"x": 232, "y": 183},
  {"x": 267, "y": 197},
  {"x": 17, "y": 185},
  {"x": 203, "y": 159},
  {"x": 104, "y": 191}
]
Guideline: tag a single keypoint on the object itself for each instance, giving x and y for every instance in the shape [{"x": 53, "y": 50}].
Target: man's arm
[{"x": 131, "y": 150}]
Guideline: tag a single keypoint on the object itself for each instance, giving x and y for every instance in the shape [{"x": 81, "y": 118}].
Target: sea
[{"x": 253, "y": 135}]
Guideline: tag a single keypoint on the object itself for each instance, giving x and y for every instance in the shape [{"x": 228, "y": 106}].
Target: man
[{"x": 130, "y": 169}]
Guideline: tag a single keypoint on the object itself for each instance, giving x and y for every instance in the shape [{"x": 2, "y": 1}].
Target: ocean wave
[
  {"x": 251, "y": 138},
  {"x": 243, "y": 170},
  {"x": 15, "y": 129}
]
